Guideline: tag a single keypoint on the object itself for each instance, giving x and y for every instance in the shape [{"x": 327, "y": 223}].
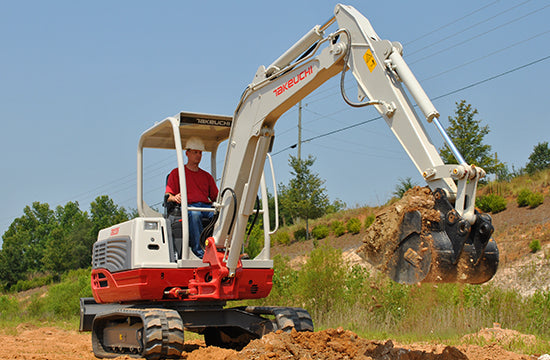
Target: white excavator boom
[{"x": 382, "y": 76}]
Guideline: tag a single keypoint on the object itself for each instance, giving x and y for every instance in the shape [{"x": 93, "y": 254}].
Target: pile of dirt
[
  {"x": 337, "y": 344},
  {"x": 383, "y": 236},
  {"x": 503, "y": 337}
]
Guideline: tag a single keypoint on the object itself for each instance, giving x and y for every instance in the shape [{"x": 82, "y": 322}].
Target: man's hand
[{"x": 175, "y": 198}]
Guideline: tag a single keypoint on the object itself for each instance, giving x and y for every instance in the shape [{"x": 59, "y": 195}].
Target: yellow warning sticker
[{"x": 369, "y": 60}]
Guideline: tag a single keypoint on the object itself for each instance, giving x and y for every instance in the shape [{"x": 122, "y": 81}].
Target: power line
[
  {"x": 492, "y": 78},
  {"x": 486, "y": 56},
  {"x": 478, "y": 35},
  {"x": 469, "y": 27},
  {"x": 317, "y": 94},
  {"x": 450, "y": 23},
  {"x": 433, "y": 99}
]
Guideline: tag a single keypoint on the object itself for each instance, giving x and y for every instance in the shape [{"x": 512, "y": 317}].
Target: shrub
[
  {"x": 534, "y": 246},
  {"x": 369, "y": 220},
  {"x": 491, "y": 203},
  {"x": 320, "y": 232},
  {"x": 537, "y": 311},
  {"x": 353, "y": 225},
  {"x": 9, "y": 308},
  {"x": 523, "y": 197},
  {"x": 35, "y": 282},
  {"x": 320, "y": 280},
  {"x": 300, "y": 234},
  {"x": 62, "y": 299},
  {"x": 281, "y": 237},
  {"x": 528, "y": 198},
  {"x": 338, "y": 228},
  {"x": 535, "y": 200},
  {"x": 255, "y": 242},
  {"x": 284, "y": 281}
]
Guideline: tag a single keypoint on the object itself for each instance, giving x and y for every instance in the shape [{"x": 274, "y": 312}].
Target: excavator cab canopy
[
  {"x": 211, "y": 129},
  {"x": 173, "y": 133}
]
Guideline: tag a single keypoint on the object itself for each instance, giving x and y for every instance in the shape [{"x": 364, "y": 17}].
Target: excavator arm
[{"x": 382, "y": 77}]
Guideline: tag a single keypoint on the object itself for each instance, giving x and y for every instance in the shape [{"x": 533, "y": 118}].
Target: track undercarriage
[{"x": 157, "y": 332}]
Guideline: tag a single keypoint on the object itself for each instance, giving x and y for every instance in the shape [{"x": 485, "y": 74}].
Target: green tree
[
  {"x": 105, "y": 213},
  {"x": 336, "y": 206},
  {"x": 24, "y": 242},
  {"x": 44, "y": 240},
  {"x": 70, "y": 243},
  {"x": 539, "y": 158},
  {"x": 467, "y": 134},
  {"x": 305, "y": 196}
]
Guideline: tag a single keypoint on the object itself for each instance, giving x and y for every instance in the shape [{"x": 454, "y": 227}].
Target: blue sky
[{"x": 80, "y": 81}]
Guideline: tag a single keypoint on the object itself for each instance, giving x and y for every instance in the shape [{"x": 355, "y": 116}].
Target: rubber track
[
  {"x": 162, "y": 334},
  {"x": 286, "y": 318},
  {"x": 297, "y": 318}
]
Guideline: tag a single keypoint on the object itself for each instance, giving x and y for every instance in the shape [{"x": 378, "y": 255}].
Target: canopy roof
[{"x": 211, "y": 129}]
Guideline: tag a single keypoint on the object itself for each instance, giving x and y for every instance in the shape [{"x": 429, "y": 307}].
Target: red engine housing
[{"x": 205, "y": 283}]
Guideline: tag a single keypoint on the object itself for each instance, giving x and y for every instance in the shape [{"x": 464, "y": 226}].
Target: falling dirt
[
  {"x": 29, "y": 342},
  {"x": 383, "y": 236}
]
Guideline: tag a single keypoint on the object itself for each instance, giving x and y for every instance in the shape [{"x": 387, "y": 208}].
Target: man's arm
[
  {"x": 172, "y": 186},
  {"x": 212, "y": 189}
]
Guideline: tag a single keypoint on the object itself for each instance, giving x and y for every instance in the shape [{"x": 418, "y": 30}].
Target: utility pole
[{"x": 300, "y": 130}]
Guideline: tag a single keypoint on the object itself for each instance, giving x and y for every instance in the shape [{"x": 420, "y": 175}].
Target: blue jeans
[{"x": 196, "y": 227}]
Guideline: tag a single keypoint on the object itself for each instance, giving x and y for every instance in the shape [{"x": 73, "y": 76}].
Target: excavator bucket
[{"x": 423, "y": 239}]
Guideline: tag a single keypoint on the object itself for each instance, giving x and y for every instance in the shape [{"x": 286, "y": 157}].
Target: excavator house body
[{"x": 132, "y": 265}]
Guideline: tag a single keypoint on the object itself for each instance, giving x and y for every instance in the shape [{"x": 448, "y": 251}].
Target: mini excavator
[{"x": 146, "y": 294}]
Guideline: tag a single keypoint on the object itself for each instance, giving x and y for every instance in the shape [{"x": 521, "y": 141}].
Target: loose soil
[
  {"x": 34, "y": 343},
  {"x": 383, "y": 236}
]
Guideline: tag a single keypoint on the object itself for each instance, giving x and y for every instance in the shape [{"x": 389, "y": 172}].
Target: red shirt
[{"x": 201, "y": 186}]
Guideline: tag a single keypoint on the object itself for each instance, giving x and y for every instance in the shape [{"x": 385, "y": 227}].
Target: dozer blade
[{"x": 435, "y": 244}]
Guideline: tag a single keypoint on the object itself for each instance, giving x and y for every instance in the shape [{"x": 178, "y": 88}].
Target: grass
[
  {"x": 57, "y": 305},
  {"x": 375, "y": 307},
  {"x": 366, "y": 303},
  {"x": 537, "y": 183}
]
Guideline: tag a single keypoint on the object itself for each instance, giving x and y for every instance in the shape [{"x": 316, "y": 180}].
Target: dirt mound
[
  {"x": 337, "y": 344},
  {"x": 501, "y": 336}
]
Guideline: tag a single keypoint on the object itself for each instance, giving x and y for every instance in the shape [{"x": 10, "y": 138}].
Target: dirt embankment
[{"x": 32, "y": 343}]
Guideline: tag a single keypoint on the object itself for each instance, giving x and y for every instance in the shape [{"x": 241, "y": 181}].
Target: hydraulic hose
[{"x": 234, "y": 208}]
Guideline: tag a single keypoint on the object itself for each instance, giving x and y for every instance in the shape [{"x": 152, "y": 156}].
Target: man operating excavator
[{"x": 201, "y": 192}]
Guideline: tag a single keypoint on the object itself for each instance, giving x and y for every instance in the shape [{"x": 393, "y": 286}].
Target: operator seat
[{"x": 172, "y": 214}]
